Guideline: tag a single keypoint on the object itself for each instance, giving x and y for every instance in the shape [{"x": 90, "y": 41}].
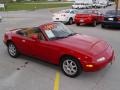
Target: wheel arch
[
  {"x": 67, "y": 55},
  {"x": 9, "y": 41},
  {"x": 71, "y": 18}
]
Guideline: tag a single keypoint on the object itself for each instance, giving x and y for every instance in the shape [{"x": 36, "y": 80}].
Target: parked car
[
  {"x": 0, "y": 18},
  {"x": 65, "y": 16},
  {"x": 103, "y": 5},
  {"x": 111, "y": 3},
  {"x": 96, "y": 5},
  {"x": 88, "y": 17},
  {"x": 79, "y": 6},
  {"x": 111, "y": 19},
  {"x": 56, "y": 44}
]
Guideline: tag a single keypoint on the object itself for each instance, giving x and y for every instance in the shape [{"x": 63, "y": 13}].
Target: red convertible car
[
  {"x": 55, "y": 43},
  {"x": 88, "y": 17}
]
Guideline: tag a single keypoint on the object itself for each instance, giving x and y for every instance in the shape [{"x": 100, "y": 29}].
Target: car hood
[
  {"x": 84, "y": 43},
  {"x": 60, "y": 14}
]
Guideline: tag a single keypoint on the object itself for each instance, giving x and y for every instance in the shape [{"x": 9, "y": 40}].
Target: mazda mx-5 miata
[{"x": 56, "y": 44}]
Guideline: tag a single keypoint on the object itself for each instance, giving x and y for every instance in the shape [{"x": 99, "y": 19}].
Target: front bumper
[
  {"x": 111, "y": 23},
  {"x": 96, "y": 66}
]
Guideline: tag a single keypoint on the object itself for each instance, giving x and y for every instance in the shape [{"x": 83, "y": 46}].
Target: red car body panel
[
  {"x": 86, "y": 49},
  {"x": 87, "y": 19}
]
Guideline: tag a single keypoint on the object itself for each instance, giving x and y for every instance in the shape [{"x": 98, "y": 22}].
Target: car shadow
[
  {"x": 112, "y": 29},
  {"x": 28, "y": 59}
]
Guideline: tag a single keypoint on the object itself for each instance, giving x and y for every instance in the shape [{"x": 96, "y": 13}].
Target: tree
[{"x": 5, "y": 1}]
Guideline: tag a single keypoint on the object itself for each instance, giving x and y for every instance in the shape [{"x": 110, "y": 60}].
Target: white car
[
  {"x": 79, "y": 6},
  {"x": 65, "y": 16},
  {"x": 97, "y": 5},
  {"x": 103, "y": 5},
  {"x": 0, "y": 18}
]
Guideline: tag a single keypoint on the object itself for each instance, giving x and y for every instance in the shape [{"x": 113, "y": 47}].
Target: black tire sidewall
[
  {"x": 94, "y": 23},
  {"x": 77, "y": 24},
  {"x": 70, "y": 21}
]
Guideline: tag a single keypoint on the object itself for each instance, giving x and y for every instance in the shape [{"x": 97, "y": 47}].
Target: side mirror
[{"x": 34, "y": 37}]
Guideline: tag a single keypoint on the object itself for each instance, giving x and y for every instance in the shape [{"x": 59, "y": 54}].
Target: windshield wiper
[
  {"x": 71, "y": 34},
  {"x": 55, "y": 38}
]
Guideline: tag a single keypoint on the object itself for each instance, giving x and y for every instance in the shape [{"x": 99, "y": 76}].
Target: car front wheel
[
  {"x": 12, "y": 50},
  {"x": 103, "y": 26},
  {"x": 71, "y": 67}
]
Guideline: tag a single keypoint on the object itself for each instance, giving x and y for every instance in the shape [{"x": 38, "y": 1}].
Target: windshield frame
[{"x": 59, "y": 37}]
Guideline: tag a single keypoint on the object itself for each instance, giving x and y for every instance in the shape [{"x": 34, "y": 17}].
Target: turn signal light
[{"x": 89, "y": 65}]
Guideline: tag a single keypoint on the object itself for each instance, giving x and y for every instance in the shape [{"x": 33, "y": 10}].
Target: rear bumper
[
  {"x": 84, "y": 21},
  {"x": 111, "y": 24},
  {"x": 57, "y": 19},
  {"x": 99, "y": 65}
]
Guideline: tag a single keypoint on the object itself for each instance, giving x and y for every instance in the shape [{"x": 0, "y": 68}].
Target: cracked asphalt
[{"x": 26, "y": 73}]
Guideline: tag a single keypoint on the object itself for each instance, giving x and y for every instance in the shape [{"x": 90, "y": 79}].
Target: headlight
[{"x": 101, "y": 59}]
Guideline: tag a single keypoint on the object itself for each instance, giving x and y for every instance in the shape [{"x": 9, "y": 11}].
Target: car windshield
[
  {"x": 112, "y": 12},
  {"x": 87, "y": 11},
  {"x": 57, "y": 31}
]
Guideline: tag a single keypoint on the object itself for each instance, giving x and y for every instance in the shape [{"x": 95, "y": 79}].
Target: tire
[
  {"x": 77, "y": 24},
  {"x": 103, "y": 26},
  {"x": 12, "y": 50},
  {"x": 0, "y": 20},
  {"x": 70, "y": 67},
  {"x": 94, "y": 23},
  {"x": 70, "y": 21}
]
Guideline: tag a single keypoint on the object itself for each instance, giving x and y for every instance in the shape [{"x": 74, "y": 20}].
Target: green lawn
[{"x": 34, "y": 6}]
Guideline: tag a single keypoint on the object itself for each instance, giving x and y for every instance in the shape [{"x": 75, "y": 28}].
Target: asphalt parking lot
[{"x": 25, "y": 73}]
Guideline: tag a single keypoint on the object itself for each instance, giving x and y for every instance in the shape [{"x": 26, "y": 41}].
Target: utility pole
[{"x": 117, "y": 5}]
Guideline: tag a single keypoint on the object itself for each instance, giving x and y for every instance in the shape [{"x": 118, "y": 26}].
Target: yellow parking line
[{"x": 57, "y": 81}]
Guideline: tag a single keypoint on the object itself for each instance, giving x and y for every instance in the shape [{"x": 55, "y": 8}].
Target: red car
[
  {"x": 55, "y": 43},
  {"x": 88, "y": 17}
]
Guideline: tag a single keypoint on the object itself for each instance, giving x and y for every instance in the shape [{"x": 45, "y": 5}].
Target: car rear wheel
[
  {"x": 12, "y": 50},
  {"x": 94, "y": 23},
  {"x": 71, "y": 67},
  {"x": 70, "y": 21},
  {"x": 78, "y": 24}
]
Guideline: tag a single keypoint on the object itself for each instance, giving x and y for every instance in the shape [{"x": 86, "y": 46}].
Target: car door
[
  {"x": 24, "y": 44},
  {"x": 46, "y": 50}
]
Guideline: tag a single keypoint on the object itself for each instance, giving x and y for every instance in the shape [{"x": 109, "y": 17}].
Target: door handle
[{"x": 24, "y": 41}]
